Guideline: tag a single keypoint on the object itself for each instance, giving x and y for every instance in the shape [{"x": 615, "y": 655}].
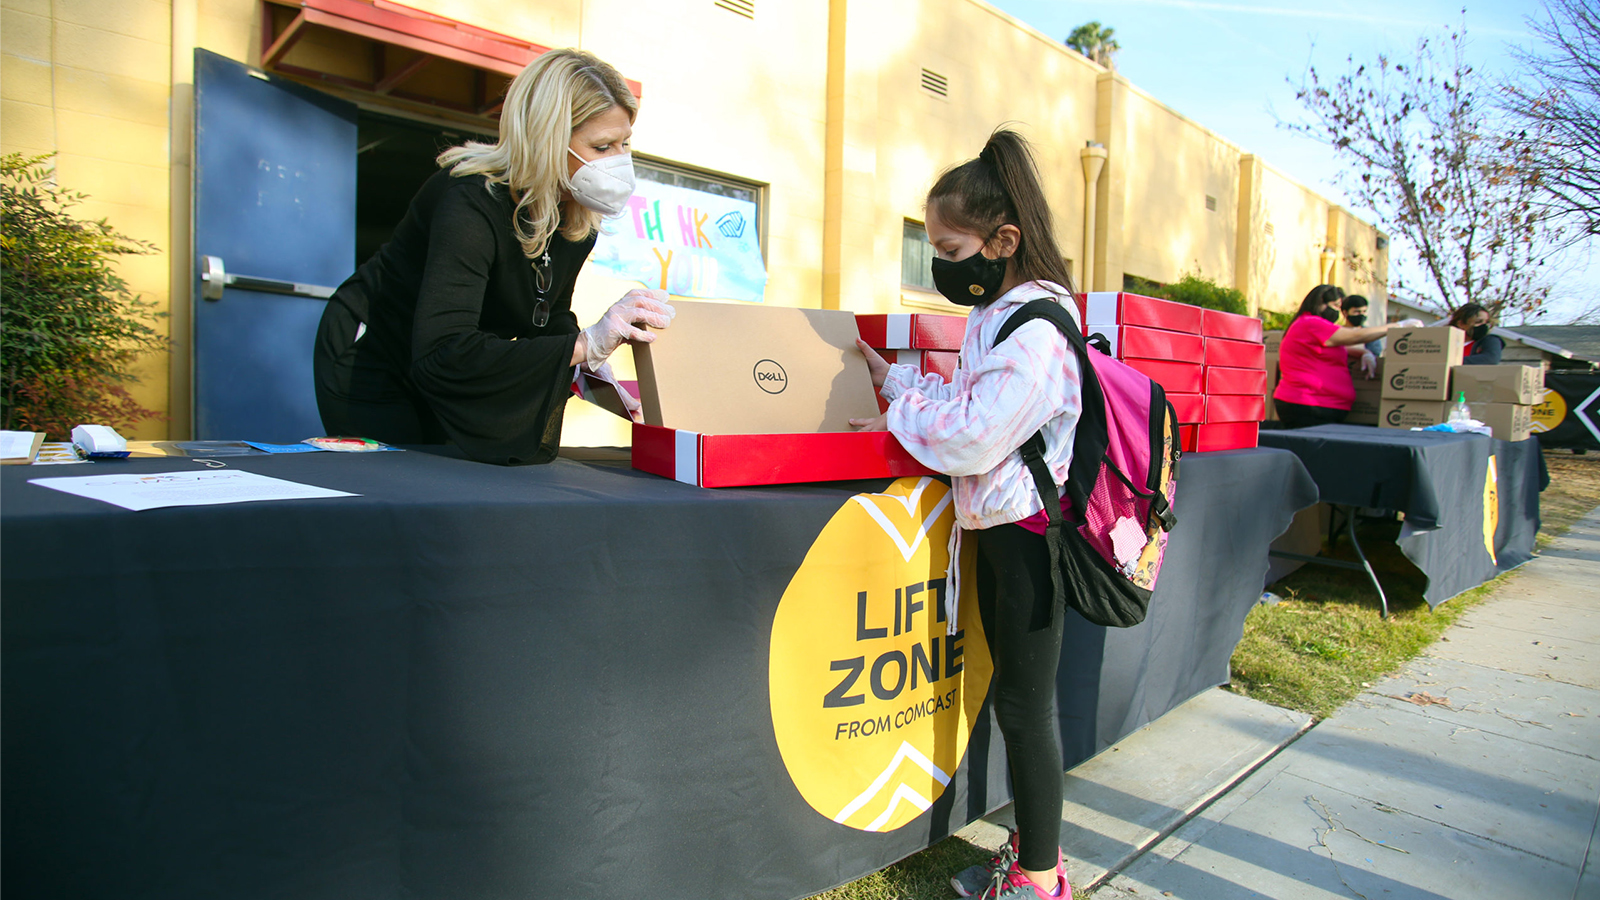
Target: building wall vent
[
  {"x": 935, "y": 84},
  {"x": 1270, "y": 230},
  {"x": 1211, "y": 203},
  {"x": 746, "y": 8}
]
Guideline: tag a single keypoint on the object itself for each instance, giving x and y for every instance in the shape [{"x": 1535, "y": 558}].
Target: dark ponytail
[{"x": 1002, "y": 187}]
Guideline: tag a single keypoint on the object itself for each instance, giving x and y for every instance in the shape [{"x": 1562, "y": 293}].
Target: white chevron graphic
[
  {"x": 901, "y": 792},
  {"x": 910, "y": 503}
]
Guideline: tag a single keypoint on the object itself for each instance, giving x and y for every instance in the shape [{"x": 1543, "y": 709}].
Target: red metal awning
[{"x": 384, "y": 48}]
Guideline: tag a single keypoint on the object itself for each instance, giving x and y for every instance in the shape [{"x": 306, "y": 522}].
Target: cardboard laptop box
[
  {"x": 1437, "y": 343},
  {"x": 1509, "y": 421},
  {"x": 1411, "y": 413},
  {"x": 912, "y": 331},
  {"x": 1139, "y": 342},
  {"x": 1498, "y": 384},
  {"x": 1415, "y": 380}
]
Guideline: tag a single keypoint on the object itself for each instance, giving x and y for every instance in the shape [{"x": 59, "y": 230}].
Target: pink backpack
[{"x": 1108, "y": 532}]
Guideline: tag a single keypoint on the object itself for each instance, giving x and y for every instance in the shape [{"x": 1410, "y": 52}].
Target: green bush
[
  {"x": 1193, "y": 289},
  {"x": 1276, "y": 321},
  {"x": 70, "y": 330}
]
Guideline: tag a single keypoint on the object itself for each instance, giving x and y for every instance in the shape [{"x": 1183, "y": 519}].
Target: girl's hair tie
[{"x": 987, "y": 155}]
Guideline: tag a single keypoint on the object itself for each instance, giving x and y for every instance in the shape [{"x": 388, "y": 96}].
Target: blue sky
[{"x": 1228, "y": 64}]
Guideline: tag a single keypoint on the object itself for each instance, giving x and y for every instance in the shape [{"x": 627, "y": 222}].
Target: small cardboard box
[
  {"x": 1226, "y": 436},
  {"x": 1109, "y": 308},
  {"x": 1138, "y": 342},
  {"x": 1364, "y": 410},
  {"x": 1234, "y": 327},
  {"x": 725, "y": 368},
  {"x": 736, "y": 460},
  {"x": 1174, "y": 377},
  {"x": 912, "y": 331},
  {"x": 1235, "y": 408},
  {"x": 1235, "y": 354},
  {"x": 1498, "y": 384},
  {"x": 1191, "y": 408},
  {"x": 1228, "y": 380},
  {"x": 1438, "y": 343},
  {"x": 1509, "y": 421},
  {"x": 1411, "y": 413},
  {"x": 1273, "y": 339},
  {"x": 1412, "y": 380}
]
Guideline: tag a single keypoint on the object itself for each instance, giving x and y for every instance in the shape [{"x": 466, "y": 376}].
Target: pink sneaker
[
  {"x": 1011, "y": 884},
  {"x": 973, "y": 879}
]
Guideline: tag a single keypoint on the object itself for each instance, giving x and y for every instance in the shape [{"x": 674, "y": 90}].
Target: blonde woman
[{"x": 461, "y": 327}]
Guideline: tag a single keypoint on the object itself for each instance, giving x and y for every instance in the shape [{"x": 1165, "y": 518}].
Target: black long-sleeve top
[
  {"x": 449, "y": 305},
  {"x": 1485, "y": 352}
]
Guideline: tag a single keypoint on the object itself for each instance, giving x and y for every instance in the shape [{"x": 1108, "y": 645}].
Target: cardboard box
[
  {"x": 1235, "y": 408},
  {"x": 734, "y": 460},
  {"x": 1191, "y": 408},
  {"x": 1498, "y": 384},
  {"x": 912, "y": 331},
  {"x": 1228, "y": 380},
  {"x": 1215, "y": 323},
  {"x": 726, "y": 368},
  {"x": 1411, "y": 380},
  {"x": 1272, "y": 339},
  {"x": 1174, "y": 377},
  {"x": 1411, "y": 413},
  {"x": 1439, "y": 343},
  {"x": 1138, "y": 342},
  {"x": 1226, "y": 436},
  {"x": 1235, "y": 354},
  {"x": 1364, "y": 411},
  {"x": 1108, "y": 308},
  {"x": 1510, "y": 421}
]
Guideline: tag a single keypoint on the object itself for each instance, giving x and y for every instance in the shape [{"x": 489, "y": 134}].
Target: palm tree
[{"x": 1094, "y": 41}]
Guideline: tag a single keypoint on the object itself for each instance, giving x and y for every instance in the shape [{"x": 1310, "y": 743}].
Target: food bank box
[
  {"x": 1115, "y": 308},
  {"x": 1437, "y": 343},
  {"x": 1415, "y": 380},
  {"x": 912, "y": 331},
  {"x": 1508, "y": 421},
  {"x": 1411, "y": 413},
  {"x": 1498, "y": 384},
  {"x": 1139, "y": 342}
]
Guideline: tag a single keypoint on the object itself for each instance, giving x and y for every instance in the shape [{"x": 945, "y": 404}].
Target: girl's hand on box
[
  {"x": 881, "y": 423},
  {"x": 875, "y": 364}
]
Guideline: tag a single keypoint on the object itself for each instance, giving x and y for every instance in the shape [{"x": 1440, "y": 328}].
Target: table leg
[
  {"x": 1362, "y": 566},
  {"x": 1350, "y": 522}
]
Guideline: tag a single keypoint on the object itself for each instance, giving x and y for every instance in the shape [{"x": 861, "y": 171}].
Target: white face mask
[{"x": 605, "y": 184}]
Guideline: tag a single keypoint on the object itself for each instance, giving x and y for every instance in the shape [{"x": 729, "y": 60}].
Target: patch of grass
[
  {"x": 921, "y": 876},
  {"x": 1574, "y": 491}
]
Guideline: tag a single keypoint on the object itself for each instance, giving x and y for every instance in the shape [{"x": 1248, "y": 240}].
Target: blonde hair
[{"x": 544, "y": 105}]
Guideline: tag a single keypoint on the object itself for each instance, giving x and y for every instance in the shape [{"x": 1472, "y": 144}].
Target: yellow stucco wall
[{"x": 820, "y": 102}]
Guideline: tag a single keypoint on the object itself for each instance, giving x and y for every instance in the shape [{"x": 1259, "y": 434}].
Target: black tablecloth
[
  {"x": 482, "y": 682},
  {"x": 1437, "y": 480}
]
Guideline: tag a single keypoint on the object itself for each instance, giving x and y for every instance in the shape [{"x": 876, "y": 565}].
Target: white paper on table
[{"x": 161, "y": 489}]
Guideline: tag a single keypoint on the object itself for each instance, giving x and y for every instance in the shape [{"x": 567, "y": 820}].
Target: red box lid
[
  {"x": 928, "y": 362},
  {"x": 1139, "y": 342},
  {"x": 1186, "y": 437},
  {"x": 1226, "y": 436},
  {"x": 1235, "y": 408},
  {"x": 733, "y": 460},
  {"x": 1235, "y": 354},
  {"x": 1107, "y": 308},
  {"x": 1174, "y": 377},
  {"x": 1216, "y": 323},
  {"x": 912, "y": 331},
  {"x": 1191, "y": 408},
  {"x": 1227, "y": 380}
]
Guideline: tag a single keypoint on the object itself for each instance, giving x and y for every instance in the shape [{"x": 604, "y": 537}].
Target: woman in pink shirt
[{"x": 1314, "y": 385}]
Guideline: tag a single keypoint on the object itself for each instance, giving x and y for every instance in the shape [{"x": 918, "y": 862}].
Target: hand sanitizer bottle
[{"x": 1460, "y": 412}]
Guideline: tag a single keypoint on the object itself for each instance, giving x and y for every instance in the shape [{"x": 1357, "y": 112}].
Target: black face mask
[
  {"x": 1479, "y": 332},
  {"x": 973, "y": 281},
  {"x": 1331, "y": 314},
  {"x": 1357, "y": 320}
]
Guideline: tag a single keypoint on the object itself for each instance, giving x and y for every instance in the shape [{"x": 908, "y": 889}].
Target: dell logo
[{"x": 770, "y": 377}]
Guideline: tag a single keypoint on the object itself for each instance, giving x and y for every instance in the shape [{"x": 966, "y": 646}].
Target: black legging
[{"x": 1014, "y": 597}]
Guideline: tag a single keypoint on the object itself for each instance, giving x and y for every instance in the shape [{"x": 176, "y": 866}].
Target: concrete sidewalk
[{"x": 1474, "y": 774}]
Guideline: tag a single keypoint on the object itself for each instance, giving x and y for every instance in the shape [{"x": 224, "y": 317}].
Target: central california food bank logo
[{"x": 872, "y": 700}]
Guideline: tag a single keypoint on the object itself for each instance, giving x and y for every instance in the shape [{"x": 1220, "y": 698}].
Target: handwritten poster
[{"x": 687, "y": 242}]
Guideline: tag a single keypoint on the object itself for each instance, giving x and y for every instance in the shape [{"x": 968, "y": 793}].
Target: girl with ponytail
[{"x": 995, "y": 250}]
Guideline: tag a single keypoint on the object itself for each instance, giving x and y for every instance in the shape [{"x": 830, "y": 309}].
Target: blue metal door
[{"x": 274, "y": 232}]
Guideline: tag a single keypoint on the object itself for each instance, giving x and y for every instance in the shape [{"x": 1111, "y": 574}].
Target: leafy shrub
[
  {"x": 70, "y": 330},
  {"x": 1276, "y": 321},
  {"x": 1193, "y": 289}
]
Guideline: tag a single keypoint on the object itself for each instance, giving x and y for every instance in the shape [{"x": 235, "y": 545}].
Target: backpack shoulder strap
[{"x": 1043, "y": 309}]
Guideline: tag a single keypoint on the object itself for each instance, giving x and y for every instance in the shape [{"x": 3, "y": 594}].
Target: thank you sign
[{"x": 687, "y": 242}]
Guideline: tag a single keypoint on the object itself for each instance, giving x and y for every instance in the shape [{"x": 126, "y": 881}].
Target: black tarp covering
[
  {"x": 474, "y": 681},
  {"x": 1437, "y": 480}
]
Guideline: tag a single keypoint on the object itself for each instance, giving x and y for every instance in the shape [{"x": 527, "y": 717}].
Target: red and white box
[
  {"x": 1139, "y": 342},
  {"x": 1191, "y": 408},
  {"x": 736, "y": 460},
  {"x": 1235, "y": 354},
  {"x": 1227, "y": 380},
  {"x": 1235, "y": 408},
  {"x": 1226, "y": 436},
  {"x": 912, "y": 331},
  {"x": 1174, "y": 377},
  {"x": 1186, "y": 437},
  {"x": 1115, "y": 308},
  {"x": 1234, "y": 327},
  {"x": 929, "y": 362}
]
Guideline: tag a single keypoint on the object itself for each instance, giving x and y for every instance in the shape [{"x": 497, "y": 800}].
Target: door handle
[{"x": 214, "y": 277}]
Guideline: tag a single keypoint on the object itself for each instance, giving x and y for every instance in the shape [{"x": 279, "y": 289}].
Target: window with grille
[{"x": 916, "y": 257}]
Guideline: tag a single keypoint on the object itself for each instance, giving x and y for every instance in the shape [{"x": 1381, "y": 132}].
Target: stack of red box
[
  {"x": 1205, "y": 360},
  {"x": 930, "y": 342}
]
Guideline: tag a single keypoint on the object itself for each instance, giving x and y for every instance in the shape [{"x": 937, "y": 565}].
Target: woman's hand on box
[
  {"x": 875, "y": 364},
  {"x": 881, "y": 423}
]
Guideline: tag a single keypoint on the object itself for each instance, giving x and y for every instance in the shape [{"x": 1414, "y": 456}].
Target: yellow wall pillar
[
  {"x": 180, "y": 115},
  {"x": 1094, "y": 161},
  {"x": 1250, "y": 236},
  {"x": 1111, "y": 131}
]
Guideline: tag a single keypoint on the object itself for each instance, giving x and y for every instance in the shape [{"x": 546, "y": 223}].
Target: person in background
[
  {"x": 1355, "y": 316},
  {"x": 1483, "y": 348},
  {"x": 1314, "y": 385}
]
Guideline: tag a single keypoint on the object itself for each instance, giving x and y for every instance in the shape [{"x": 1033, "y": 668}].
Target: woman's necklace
[{"x": 541, "y": 287}]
